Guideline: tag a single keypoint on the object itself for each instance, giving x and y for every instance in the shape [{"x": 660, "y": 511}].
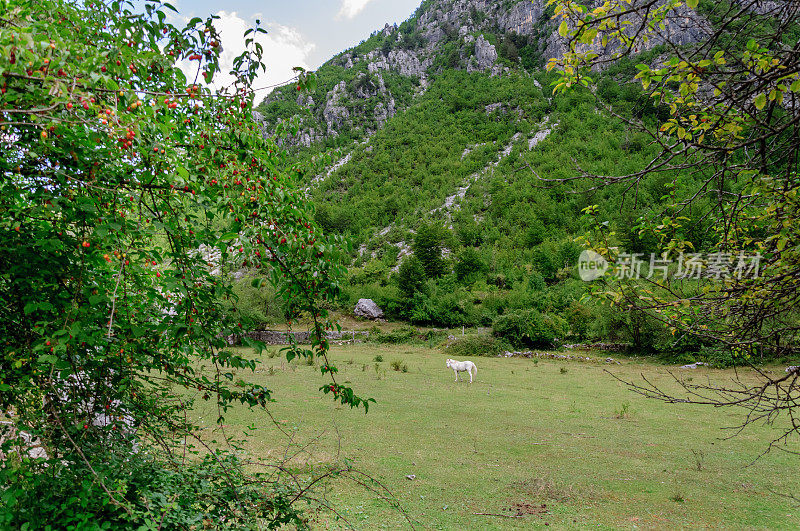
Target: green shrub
[
  {"x": 469, "y": 266},
  {"x": 404, "y": 334},
  {"x": 256, "y": 301},
  {"x": 388, "y": 255},
  {"x": 635, "y": 327},
  {"x": 536, "y": 282},
  {"x": 428, "y": 249},
  {"x": 521, "y": 298},
  {"x": 151, "y": 492},
  {"x": 469, "y": 233},
  {"x": 411, "y": 277},
  {"x": 529, "y": 328},
  {"x": 720, "y": 357},
  {"x": 399, "y": 366},
  {"x": 373, "y": 271},
  {"x": 495, "y": 304},
  {"x": 579, "y": 317},
  {"x": 471, "y": 346},
  {"x": 441, "y": 309},
  {"x": 435, "y": 337}
]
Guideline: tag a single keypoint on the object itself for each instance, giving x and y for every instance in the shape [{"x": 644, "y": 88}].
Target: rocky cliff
[{"x": 362, "y": 88}]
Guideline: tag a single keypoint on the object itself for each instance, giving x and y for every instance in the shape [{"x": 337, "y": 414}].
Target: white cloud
[
  {"x": 284, "y": 48},
  {"x": 351, "y": 8}
]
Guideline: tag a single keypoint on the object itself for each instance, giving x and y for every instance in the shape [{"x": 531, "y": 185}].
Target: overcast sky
[{"x": 302, "y": 33}]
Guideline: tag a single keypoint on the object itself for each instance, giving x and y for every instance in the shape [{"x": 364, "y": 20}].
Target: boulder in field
[{"x": 367, "y": 308}]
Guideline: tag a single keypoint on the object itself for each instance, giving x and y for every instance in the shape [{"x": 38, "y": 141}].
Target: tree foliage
[
  {"x": 129, "y": 193},
  {"x": 529, "y": 328},
  {"x": 734, "y": 122},
  {"x": 411, "y": 277},
  {"x": 428, "y": 249}
]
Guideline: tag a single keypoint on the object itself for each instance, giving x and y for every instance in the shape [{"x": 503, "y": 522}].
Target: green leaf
[
  {"x": 692, "y": 3},
  {"x": 563, "y": 29},
  {"x": 760, "y": 101},
  {"x": 47, "y": 358},
  {"x": 589, "y": 36}
]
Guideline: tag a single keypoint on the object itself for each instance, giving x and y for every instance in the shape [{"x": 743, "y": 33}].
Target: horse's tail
[{"x": 476, "y": 369}]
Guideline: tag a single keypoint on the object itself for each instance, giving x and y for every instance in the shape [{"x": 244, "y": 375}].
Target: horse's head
[{"x": 448, "y": 362}]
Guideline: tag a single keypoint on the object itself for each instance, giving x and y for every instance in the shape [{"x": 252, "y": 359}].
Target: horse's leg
[{"x": 456, "y": 372}]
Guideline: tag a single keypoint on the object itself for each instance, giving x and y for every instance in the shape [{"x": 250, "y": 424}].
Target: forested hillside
[{"x": 459, "y": 201}]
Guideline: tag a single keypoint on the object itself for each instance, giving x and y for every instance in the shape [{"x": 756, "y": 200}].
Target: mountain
[
  {"x": 446, "y": 126},
  {"x": 361, "y": 88}
]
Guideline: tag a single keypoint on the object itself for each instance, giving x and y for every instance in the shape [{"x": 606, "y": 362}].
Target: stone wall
[{"x": 278, "y": 337}]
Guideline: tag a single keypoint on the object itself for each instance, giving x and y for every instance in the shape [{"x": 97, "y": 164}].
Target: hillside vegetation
[
  {"x": 467, "y": 163},
  {"x": 474, "y": 173}
]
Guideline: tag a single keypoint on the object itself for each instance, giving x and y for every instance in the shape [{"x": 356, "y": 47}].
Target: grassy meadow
[{"x": 562, "y": 442}]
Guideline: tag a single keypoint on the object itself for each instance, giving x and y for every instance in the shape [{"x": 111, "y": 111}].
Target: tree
[
  {"x": 734, "y": 123},
  {"x": 411, "y": 277},
  {"x": 470, "y": 265},
  {"x": 129, "y": 193},
  {"x": 427, "y": 248}
]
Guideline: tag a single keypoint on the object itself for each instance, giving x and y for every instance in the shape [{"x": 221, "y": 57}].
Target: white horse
[{"x": 462, "y": 366}]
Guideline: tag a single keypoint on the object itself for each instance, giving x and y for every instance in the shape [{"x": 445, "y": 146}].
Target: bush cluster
[
  {"x": 471, "y": 346},
  {"x": 529, "y": 328},
  {"x": 147, "y": 493}
]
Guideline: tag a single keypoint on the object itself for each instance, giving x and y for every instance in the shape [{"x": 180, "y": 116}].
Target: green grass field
[{"x": 563, "y": 435}]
